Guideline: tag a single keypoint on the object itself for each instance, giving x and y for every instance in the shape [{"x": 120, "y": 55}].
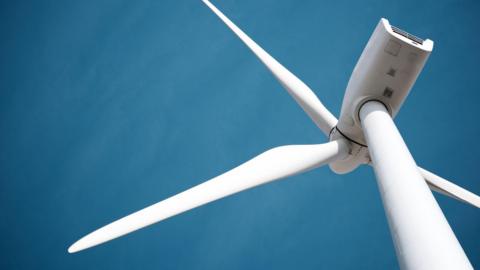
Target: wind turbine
[{"x": 364, "y": 134}]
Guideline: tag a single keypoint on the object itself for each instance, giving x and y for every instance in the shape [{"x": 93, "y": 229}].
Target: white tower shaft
[{"x": 421, "y": 234}]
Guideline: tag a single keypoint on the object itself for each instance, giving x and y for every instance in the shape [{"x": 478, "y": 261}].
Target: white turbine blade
[
  {"x": 295, "y": 87},
  {"x": 445, "y": 187},
  {"x": 272, "y": 165}
]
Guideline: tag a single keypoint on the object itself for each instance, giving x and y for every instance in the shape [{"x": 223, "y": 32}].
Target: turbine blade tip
[
  {"x": 72, "y": 249},
  {"x": 77, "y": 246}
]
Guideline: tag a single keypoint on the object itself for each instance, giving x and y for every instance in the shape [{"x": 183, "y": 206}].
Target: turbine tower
[{"x": 364, "y": 134}]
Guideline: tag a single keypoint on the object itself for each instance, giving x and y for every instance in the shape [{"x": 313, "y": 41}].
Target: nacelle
[{"x": 386, "y": 71}]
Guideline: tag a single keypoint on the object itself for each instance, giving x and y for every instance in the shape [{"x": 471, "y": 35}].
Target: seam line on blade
[{"x": 346, "y": 137}]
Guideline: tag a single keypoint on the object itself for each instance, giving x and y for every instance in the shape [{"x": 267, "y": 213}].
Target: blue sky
[{"x": 109, "y": 106}]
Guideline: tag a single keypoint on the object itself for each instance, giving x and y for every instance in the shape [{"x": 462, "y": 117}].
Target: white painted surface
[
  {"x": 275, "y": 164},
  {"x": 445, "y": 187},
  {"x": 370, "y": 79},
  {"x": 422, "y": 236},
  {"x": 304, "y": 96}
]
